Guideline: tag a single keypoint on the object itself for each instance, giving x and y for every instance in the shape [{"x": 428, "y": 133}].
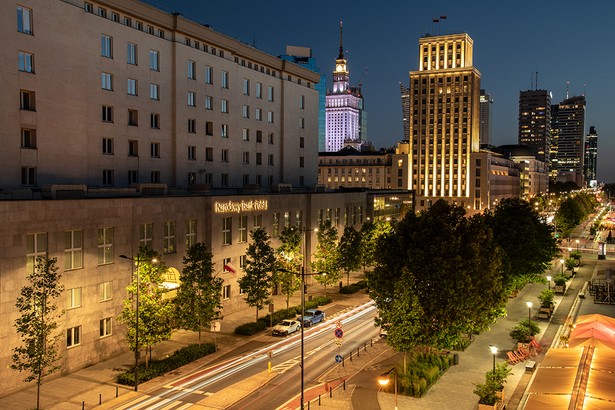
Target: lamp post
[
  {"x": 306, "y": 237},
  {"x": 562, "y": 262},
  {"x": 383, "y": 380},
  {"x": 494, "y": 350},
  {"x": 529, "y": 312},
  {"x": 577, "y": 241},
  {"x": 549, "y": 281},
  {"x": 137, "y": 260}
]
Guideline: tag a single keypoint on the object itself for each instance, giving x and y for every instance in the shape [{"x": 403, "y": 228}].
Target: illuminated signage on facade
[{"x": 242, "y": 206}]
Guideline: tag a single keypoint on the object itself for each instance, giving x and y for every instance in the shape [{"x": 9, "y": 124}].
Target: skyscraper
[
  {"x": 591, "y": 155},
  {"x": 485, "y": 117},
  {"x": 405, "y": 109},
  {"x": 445, "y": 116},
  {"x": 535, "y": 122},
  {"x": 346, "y": 119},
  {"x": 570, "y": 143}
]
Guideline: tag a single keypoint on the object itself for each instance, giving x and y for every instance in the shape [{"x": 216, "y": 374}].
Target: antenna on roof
[
  {"x": 536, "y": 80},
  {"x": 567, "y": 87},
  {"x": 584, "y": 89},
  {"x": 531, "y": 82}
]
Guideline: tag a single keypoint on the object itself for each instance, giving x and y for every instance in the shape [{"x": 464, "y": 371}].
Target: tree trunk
[
  {"x": 287, "y": 300},
  {"x": 348, "y": 278},
  {"x": 257, "y": 313}
]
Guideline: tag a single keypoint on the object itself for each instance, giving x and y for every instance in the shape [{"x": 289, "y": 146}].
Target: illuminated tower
[
  {"x": 485, "y": 117},
  {"x": 535, "y": 122},
  {"x": 570, "y": 144},
  {"x": 591, "y": 155},
  {"x": 344, "y": 107},
  {"x": 405, "y": 109},
  {"x": 444, "y": 119}
]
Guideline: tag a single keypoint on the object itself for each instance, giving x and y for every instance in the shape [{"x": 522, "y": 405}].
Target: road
[{"x": 320, "y": 351}]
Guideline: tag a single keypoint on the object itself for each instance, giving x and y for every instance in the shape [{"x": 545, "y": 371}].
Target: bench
[{"x": 530, "y": 365}]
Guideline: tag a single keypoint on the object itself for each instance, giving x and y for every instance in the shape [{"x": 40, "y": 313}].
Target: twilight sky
[{"x": 564, "y": 41}]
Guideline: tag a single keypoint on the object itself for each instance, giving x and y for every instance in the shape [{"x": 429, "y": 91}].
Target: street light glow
[{"x": 494, "y": 349}]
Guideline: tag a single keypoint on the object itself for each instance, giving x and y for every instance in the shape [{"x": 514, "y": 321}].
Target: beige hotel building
[{"x": 123, "y": 125}]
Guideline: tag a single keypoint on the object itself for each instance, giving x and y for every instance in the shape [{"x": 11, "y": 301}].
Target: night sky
[{"x": 564, "y": 41}]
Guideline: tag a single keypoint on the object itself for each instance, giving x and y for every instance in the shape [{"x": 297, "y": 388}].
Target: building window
[
  {"x": 246, "y": 157},
  {"x": 242, "y": 264},
  {"x": 133, "y": 177},
  {"x": 105, "y": 245},
  {"x": 24, "y": 20},
  {"x": 131, "y": 88},
  {"x": 258, "y": 115},
  {"x": 302, "y": 102},
  {"x": 270, "y": 138},
  {"x": 246, "y": 179},
  {"x": 301, "y": 162},
  {"x": 27, "y": 100},
  {"x": 224, "y": 155},
  {"x": 224, "y": 180},
  {"x": 146, "y": 235},
  {"x": 225, "y": 78},
  {"x": 191, "y": 99},
  {"x": 259, "y": 90},
  {"x": 209, "y": 128},
  {"x": 227, "y": 226},
  {"x": 160, "y": 33},
  {"x": 245, "y": 134},
  {"x": 209, "y": 154},
  {"x": 104, "y": 291},
  {"x": 270, "y": 160},
  {"x": 131, "y": 54},
  {"x": 105, "y": 327},
  {"x": 301, "y": 122},
  {"x": 191, "y": 125},
  {"x": 226, "y": 292},
  {"x": 150, "y": 29},
  {"x": 107, "y": 177},
  {"x": 28, "y": 138},
  {"x": 246, "y": 86},
  {"x": 169, "y": 237},
  {"x": 28, "y": 176},
  {"x": 36, "y": 246},
  {"x": 26, "y": 62},
  {"x": 258, "y": 221},
  {"x": 107, "y": 81},
  {"x": 88, "y": 7},
  {"x": 209, "y": 75},
  {"x": 102, "y": 12},
  {"x": 243, "y": 228},
  {"x": 259, "y": 136},
  {"x": 270, "y": 93},
  {"x": 154, "y": 120},
  {"x": 259, "y": 158},
  {"x": 133, "y": 148},
  {"x": 190, "y": 233},
  {"x": 107, "y": 113},
  {"x": 73, "y": 249},
  {"x": 270, "y": 117},
  {"x": 192, "y": 152},
  {"x": 224, "y": 106},
  {"x": 301, "y": 142},
  {"x": 154, "y": 60},
  {"x": 155, "y": 150},
  {"x": 106, "y": 46},
  {"x": 133, "y": 117},
  {"x": 224, "y": 130},
  {"x": 275, "y": 224},
  {"x": 153, "y": 92},
  {"x": 107, "y": 146},
  {"x": 73, "y": 298},
  {"x": 209, "y": 102},
  {"x": 191, "y": 70},
  {"x": 73, "y": 336},
  {"x": 246, "y": 111},
  {"x": 127, "y": 21}
]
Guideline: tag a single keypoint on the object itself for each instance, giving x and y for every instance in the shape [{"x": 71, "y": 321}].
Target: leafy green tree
[
  {"x": 326, "y": 256},
  {"x": 38, "y": 353},
  {"x": 527, "y": 244},
  {"x": 290, "y": 260},
  {"x": 371, "y": 231},
  {"x": 199, "y": 293},
  {"x": 154, "y": 313},
  {"x": 260, "y": 267},
  {"x": 349, "y": 250}
]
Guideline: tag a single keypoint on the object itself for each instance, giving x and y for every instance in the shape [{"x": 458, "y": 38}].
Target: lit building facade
[
  {"x": 405, "y": 110},
  {"x": 485, "y": 117},
  {"x": 346, "y": 119},
  {"x": 445, "y": 121},
  {"x": 535, "y": 122},
  {"x": 571, "y": 140},
  {"x": 591, "y": 155}
]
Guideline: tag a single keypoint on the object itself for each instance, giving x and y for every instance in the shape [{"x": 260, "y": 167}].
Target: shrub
[
  {"x": 158, "y": 367},
  {"x": 546, "y": 298},
  {"x": 523, "y": 331},
  {"x": 248, "y": 329},
  {"x": 560, "y": 280},
  {"x": 424, "y": 369},
  {"x": 353, "y": 288},
  {"x": 494, "y": 382}
]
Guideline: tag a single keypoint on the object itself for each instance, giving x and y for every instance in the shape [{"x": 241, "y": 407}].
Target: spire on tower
[{"x": 341, "y": 56}]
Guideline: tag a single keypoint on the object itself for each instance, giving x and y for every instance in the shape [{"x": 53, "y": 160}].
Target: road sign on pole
[
  {"x": 338, "y": 324},
  {"x": 339, "y": 333},
  {"x": 338, "y": 342},
  {"x": 338, "y": 358}
]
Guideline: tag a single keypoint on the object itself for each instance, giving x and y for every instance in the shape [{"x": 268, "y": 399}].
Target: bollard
[
  {"x": 116, "y": 391},
  {"x": 309, "y": 402},
  {"x": 358, "y": 350},
  {"x": 83, "y": 405},
  {"x": 330, "y": 392},
  {"x": 343, "y": 362},
  {"x": 344, "y": 384},
  {"x": 351, "y": 355},
  {"x": 319, "y": 399},
  {"x": 365, "y": 347},
  {"x": 371, "y": 342}
]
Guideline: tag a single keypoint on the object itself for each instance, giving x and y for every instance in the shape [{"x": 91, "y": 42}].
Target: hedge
[{"x": 354, "y": 288}]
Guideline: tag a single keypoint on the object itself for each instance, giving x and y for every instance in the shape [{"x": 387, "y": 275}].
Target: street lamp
[
  {"x": 137, "y": 260},
  {"x": 494, "y": 350},
  {"x": 562, "y": 262},
  {"x": 549, "y": 281},
  {"x": 577, "y": 241},
  {"x": 383, "y": 380},
  {"x": 529, "y": 312}
]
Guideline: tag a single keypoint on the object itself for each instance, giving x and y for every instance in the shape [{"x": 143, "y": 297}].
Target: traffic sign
[
  {"x": 338, "y": 324},
  {"x": 339, "y": 342},
  {"x": 339, "y": 333},
  {"x": 338, "y": 358}
]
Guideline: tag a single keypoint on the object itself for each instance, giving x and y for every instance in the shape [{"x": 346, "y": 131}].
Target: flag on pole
[{"x": 228, "y": 267}]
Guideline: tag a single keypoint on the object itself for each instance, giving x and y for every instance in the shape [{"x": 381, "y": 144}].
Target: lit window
[
  {"x": 169, "y": 237},
  {"x": 73, "y": 298},
  {"x": 105, "y": 245},
  {"x": 73, "y": 249}
]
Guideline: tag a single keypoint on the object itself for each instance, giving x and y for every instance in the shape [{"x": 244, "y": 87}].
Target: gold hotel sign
[{"x": 240, "y": 206}]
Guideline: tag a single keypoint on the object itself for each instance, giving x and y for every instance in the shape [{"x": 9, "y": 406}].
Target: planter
[
  {"x": 544, "y": 313},
  {"x": 524, "y": 345},
  {"x": 487, "y": 406},
  {"x": 561, "y": 289},
  {"x": 500, "y": 395}
]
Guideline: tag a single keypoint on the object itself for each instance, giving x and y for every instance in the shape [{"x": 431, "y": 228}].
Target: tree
[
  {"x": 256, "y": 284},
  {"x": 526, "y": 242},
  {"x": 290, "y": 260},
  {"x": 38, "y": 352},
  {"x": 199, "y": 293},
  {"x": 154, "y": 312},
  {"x": 326, "y": 256},
  {"x": 350, "y": 251},
  {"x": 370, "y": 232}
]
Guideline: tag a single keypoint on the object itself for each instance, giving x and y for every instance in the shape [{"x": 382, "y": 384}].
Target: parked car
[
  {"x": 311, "y": 317},
  {"x": 286, "y": 327}
]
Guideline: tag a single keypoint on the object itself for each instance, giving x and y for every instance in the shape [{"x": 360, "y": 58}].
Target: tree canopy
[
  {"x": 256, "y": 284},
  {"x": 290, "y": 260},
  {"x": 350, "y": 251},
  {"x": 326, "y": 256}
]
